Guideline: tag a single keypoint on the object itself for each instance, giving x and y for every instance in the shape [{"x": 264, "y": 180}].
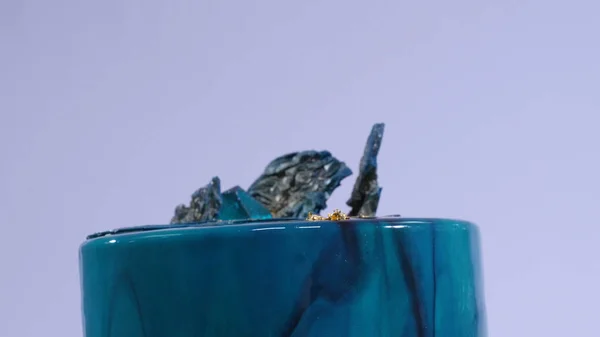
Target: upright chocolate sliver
[
  {"x": 204, "y": 206},
  {"x": 366, "y": 192},
  {"x": 298, "y": 183}
]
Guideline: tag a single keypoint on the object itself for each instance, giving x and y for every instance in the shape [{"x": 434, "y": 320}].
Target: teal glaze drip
[{"x": 358, "y": 278}]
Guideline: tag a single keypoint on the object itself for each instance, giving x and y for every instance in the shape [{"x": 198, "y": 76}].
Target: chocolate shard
[
  {"x": 237, "y": 204},
  {"x": 204, "y": 206},
  {"x": 298, "y": 183},
  {"x": 366, "y": 192}
]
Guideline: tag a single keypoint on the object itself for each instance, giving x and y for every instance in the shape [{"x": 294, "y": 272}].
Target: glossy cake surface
[{"x": 379, "y": 277}]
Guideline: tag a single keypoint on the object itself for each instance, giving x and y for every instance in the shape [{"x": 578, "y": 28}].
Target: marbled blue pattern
[{"x": 391, "y": 277}]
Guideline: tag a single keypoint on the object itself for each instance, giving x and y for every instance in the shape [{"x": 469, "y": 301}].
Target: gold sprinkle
[
  {"x": 337, "y": 215},
  {"x": 315, "y": 217}
]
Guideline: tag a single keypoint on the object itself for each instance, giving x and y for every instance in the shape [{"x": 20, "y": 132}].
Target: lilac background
[{"x": 114, "y": 111}]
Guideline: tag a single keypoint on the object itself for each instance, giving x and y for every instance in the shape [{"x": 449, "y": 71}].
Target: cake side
[{"x": 369, "y": 277}]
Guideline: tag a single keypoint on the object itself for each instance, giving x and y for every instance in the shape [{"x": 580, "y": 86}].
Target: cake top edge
[{"x": 287, "y": 222}]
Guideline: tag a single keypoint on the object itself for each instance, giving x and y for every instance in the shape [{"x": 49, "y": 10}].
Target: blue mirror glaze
[{"x": 356, "y": 278}]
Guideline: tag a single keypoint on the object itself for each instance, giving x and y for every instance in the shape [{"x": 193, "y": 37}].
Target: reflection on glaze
[{"x": 375, "y": 278}]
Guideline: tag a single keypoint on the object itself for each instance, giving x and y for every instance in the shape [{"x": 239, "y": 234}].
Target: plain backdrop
[{"x": 114, "y": 111}]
